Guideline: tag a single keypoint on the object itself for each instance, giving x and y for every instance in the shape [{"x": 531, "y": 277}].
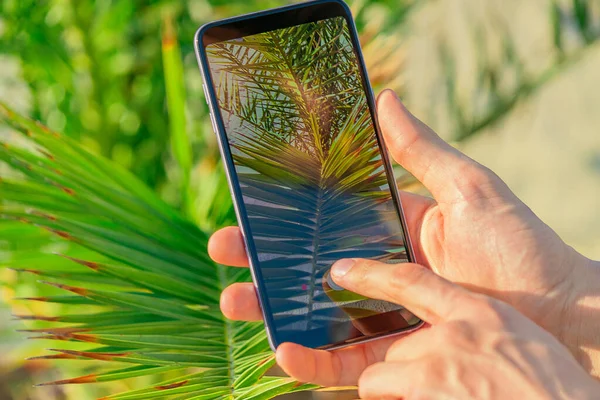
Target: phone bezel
[{"x": 264, "y": 21}]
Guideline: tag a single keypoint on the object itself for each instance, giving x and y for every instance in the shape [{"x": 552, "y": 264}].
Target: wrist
[{"x": 580, "y": 330}]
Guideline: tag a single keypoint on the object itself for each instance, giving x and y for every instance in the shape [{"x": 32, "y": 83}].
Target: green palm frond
[
  {"x": 145, "y": 297},
  {"x": 118, "y": 238},
  {"x": 284, "y": 92}
]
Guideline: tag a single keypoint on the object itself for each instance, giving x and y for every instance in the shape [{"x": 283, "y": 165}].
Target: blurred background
[{"x": 514, "y": 84}]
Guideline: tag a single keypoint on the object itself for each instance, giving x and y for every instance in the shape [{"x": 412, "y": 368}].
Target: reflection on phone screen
[{"x": 311, "y": 174}]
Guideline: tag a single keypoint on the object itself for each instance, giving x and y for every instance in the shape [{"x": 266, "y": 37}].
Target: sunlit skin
[
  {"x": 475, "y": 347},
  {"x": 476, "y": 233}
]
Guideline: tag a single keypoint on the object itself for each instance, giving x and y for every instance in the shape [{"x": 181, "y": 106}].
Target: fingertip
[
  {"x": 239, "y": 302},
  {"x": 296, "y": 361},
  {"x": 286, "y": 352},
  {"x": 280, "y": 353},
  {"x": 389, "y": 102},
  {"x": 219, "y": 240},
  {"x": 226, "y": 246},
  {"x": 370, "y": 381},
  {"x": 387, "y": 95},
  {"x": 211, "y": 247},
  {"x": 369, "y": 372},
  {"x": 391, "y": 110},
  {"x": 227, "y": 303},
  {"x": 341, "y": 267}
]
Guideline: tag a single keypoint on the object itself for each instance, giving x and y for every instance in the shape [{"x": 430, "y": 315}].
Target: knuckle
[
  {"x": 451, "y": 329},
  {"x": 445, "y": 331},
  {"x": 405, "y": 275},
  {"x": 432, "y": 366},
  {"x": 474, "y": 180},
  {"x": 480, "y": 174},
  {"x": 458, "y": 334},
  {"x": 490, "y": 309}
]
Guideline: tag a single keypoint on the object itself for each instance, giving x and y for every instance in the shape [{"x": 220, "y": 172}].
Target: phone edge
[{"x": 212, "y": 101}]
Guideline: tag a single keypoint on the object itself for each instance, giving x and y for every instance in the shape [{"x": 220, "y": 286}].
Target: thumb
[
  {"x": 427, "y": 295},
  {"x": 439, "y": 166}
]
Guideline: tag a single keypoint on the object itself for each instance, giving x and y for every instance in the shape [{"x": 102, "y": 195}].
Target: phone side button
[{"x": 213, "y": 123}]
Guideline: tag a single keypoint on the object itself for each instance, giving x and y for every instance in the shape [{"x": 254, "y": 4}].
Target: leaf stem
[
  {"x": 228, "y": 335},
  {"x": 315, "y": 254}
]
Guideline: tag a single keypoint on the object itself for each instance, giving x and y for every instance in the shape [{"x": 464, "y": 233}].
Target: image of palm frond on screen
[{"x": 309, "y": 168}]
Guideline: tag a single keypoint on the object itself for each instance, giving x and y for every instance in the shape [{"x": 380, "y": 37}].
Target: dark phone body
[{"x": 339, "y": 332}]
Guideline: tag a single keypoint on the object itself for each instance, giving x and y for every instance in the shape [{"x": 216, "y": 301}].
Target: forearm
[{"x": 581, "y": 333}]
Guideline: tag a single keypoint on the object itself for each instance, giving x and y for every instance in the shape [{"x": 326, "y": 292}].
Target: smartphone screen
[{"x": 312, "y": 178}]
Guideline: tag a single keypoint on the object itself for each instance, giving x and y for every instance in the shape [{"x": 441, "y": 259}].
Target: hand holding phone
[
  {"x": 479, "y": 234},
  {"x": 475, "y": 346},
  {"x": 476, "y": 232}
]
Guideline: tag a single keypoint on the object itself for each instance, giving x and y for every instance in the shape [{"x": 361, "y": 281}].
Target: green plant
[
  {"x": 91, "y": 68},
  {"x": 47, "y": 38},
  {"x": 153, "y": 290},
  {"x": 50, "y": 67}
]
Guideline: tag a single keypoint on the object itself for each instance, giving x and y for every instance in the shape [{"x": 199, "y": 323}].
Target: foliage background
[{"x": 512, "y": 83}]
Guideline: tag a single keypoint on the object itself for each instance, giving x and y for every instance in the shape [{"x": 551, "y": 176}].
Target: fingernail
[{"x": 341, "y": 267}]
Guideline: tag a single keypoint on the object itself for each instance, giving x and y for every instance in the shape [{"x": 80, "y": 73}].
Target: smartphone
[{"x": 295, "y": 119}]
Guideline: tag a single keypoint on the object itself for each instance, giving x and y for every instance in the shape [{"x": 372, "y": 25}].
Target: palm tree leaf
[{"x": 153, "y": 289}]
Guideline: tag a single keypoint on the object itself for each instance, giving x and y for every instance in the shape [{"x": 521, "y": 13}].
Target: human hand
[
  {"x": 475, "y": 347},
  {"x": 476, "y": 232}
]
